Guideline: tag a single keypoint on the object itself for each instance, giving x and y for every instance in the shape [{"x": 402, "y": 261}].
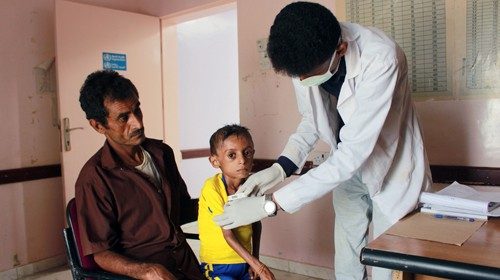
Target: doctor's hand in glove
[
  {"x": 260, "y": 182},
  {"x": 245, "y": 211}
]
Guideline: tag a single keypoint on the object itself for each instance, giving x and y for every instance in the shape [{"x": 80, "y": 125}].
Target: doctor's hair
[
  {"x": 224, "y": 132},
  {"x": 303, "y": 36},
  {"x": 101, "y": 85}
]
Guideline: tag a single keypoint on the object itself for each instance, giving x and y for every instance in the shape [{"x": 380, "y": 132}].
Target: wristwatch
[{"x": 270, "y": 206}]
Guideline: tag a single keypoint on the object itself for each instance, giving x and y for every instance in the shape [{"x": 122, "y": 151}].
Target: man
[
  {"x": 130, "y": 196},
  {"x": 352, "y": 92}
]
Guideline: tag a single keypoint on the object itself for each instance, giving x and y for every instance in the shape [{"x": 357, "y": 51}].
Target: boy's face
[{"x": 234, "y": 157}]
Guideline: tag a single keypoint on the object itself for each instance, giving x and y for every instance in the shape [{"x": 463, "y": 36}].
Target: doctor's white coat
[{"x": 381, "y": 140}]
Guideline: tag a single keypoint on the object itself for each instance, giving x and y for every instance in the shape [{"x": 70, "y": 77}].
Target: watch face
[{"x": 270, "y": 207}]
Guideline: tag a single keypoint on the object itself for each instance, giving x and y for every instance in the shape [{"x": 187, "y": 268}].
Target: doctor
[{"x": 353, "y": 93}]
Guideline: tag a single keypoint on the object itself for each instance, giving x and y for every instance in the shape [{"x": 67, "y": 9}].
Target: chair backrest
[
  {"x": 86, "y": 262},
  {"x": 190, "y": 219},
  {"x": 82, "y": 267}
]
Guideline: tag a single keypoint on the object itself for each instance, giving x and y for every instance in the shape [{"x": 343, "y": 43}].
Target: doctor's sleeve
[{"x": 373, "y": 96}]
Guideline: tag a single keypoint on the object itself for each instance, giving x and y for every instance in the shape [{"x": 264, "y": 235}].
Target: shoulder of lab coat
[{"x": 373, "y": 78}]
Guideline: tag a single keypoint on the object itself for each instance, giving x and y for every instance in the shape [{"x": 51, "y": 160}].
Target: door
[{"x": 83, "y": 34}]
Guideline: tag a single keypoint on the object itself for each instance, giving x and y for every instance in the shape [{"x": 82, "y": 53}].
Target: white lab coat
[{"x": 381, "y": 140}]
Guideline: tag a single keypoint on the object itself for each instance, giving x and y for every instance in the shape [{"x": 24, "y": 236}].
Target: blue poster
[{"x": 114, "y": 61}]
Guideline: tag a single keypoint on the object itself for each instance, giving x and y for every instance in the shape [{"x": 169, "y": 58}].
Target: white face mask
[{"x": 319, "y": 79}]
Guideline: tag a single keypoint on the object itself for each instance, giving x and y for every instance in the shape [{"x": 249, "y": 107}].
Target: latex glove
[
  {"x": 263, "y": 180},
  {"x": 240, "y": 212}
]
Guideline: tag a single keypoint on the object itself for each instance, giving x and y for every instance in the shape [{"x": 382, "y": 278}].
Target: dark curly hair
[
  {"x": 303, "y": 36},
  {"x": 102, "y": 85},
  {"x": 224, "y": 132}
]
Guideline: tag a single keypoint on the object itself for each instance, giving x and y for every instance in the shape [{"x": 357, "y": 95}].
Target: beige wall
[
  {"x": 31, "y": 213},
  {"x": 462, "y": 132},
  {"x": 457, "y": 132}
]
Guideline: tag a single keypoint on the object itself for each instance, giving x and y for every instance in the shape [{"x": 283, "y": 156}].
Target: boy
[{"x": 225, "y": 254}]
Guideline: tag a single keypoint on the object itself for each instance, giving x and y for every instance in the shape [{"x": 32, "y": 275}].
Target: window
[{"x": 451, "y": 46}]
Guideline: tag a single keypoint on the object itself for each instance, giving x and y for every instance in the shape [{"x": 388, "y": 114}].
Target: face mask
[{"x": 319, "y": 79}]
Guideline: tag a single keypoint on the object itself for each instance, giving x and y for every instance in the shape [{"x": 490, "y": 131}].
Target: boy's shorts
[{"x": 237, "y": 271}]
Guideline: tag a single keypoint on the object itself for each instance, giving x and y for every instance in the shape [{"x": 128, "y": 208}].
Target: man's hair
[
  {"x": 102, "y": 85},
  {"x": 224, "y": 132},
  {"x": 303, "y": 36}
]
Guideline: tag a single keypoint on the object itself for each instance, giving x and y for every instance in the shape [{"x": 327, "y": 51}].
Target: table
[{"x": 478, "y": 258}]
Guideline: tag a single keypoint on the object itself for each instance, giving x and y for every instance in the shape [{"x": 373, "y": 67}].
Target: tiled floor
[{"x": 63, "y": 273}]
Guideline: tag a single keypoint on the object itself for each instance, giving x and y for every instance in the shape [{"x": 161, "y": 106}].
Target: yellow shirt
[{"x": 213, "y": 247}]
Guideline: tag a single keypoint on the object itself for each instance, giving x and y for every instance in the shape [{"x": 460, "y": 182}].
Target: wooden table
[{"x": 477, "y": 258}]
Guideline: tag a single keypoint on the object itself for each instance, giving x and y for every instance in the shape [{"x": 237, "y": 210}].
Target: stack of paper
[{"x": 457, "y": 200}]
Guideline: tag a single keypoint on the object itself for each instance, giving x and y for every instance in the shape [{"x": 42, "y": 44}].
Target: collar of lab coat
[
  {"x": 353, "y": 65},
  {"x": 352, "y": 61}
]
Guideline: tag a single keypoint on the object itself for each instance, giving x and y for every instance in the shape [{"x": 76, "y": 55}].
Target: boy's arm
[
  {"x": 240, "y": 250},
  {"x": 258, "y": 267},
  {"x": 256, "y": 233}
]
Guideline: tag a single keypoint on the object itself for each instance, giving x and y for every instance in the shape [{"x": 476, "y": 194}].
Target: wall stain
[{"x": 16, "y": 261}]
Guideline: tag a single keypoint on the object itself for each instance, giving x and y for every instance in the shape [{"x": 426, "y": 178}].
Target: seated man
[{"x": 130, "y": 196}]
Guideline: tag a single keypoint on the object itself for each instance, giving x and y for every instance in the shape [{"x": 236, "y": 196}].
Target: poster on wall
[{"x": 114, "y": 61}]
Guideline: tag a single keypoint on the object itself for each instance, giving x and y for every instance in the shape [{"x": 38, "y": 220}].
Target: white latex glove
[
  {"x": 260, "y": 182},
  {"x": 240, "y": 212}
]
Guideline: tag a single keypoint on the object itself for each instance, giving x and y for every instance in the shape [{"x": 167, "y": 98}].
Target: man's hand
[
  {"x": 157, "y": 272},
  {"x": 260, "y": 182},
  {"x": 243, "y": 211}
]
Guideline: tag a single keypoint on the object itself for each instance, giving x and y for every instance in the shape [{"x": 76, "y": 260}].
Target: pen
[{"x": 439, "y": 216}]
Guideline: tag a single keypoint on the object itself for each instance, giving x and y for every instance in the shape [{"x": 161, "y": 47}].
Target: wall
[
  {"x": 462, "y": 132},
  {"x": 31, "y": 213},
  {"x": 208, "y": 87}
]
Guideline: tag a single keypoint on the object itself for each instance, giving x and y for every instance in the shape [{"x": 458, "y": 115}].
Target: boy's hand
[
  {"x": 263, "y": 180},
  {"x": 253, "y": 274},
  {"x": 264, "y": 273},
  {"x": 240, "y": 212}
]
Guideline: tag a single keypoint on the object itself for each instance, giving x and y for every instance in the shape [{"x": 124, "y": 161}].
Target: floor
[{"x": 63, "y": 273}]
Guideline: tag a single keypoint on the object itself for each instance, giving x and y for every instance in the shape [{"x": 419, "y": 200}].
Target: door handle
[{"x": 66, "y": 134}]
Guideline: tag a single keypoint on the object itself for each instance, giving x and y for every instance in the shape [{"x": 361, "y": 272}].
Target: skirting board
[
  {"x": 281, "y": 264},
  {"x": 33, "y": 268},
  {"x": 298, "y": 268}
]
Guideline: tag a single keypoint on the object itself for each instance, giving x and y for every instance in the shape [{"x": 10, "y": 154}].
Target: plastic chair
[{"x": 82, "y": 267}]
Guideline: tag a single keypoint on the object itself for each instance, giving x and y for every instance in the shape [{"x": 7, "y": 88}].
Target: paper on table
[
  {"x": 427, "y": 227},
  {"x": 461, "y": 197}
]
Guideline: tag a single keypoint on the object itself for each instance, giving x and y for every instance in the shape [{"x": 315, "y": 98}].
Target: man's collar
[{"x": 111, "y": 160}]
